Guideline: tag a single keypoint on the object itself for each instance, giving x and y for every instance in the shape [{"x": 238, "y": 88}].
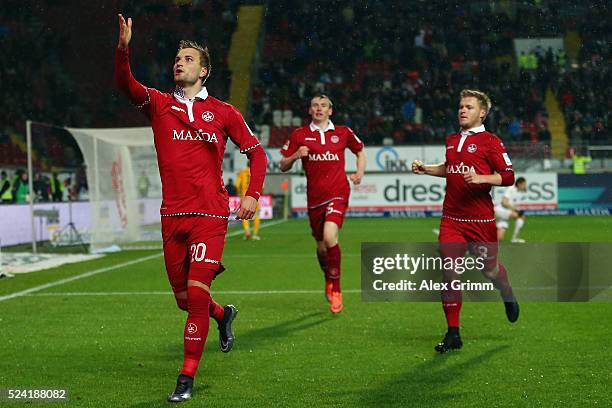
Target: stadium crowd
[
  {"x": 401, "y": 71},
  {"x": 584, "y": 90},
  {"x": 62, "y": 74},
  {"x": 394, "y": 74}
]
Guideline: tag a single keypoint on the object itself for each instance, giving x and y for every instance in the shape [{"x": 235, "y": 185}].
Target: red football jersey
[
  {"x": 324, "y": 166},
  {"x": 190, "y": 140},
  {"x": 481, "y": 152}
]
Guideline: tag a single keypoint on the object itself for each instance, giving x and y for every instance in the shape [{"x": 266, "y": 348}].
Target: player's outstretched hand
[
  {"x": 302, "y": 151},
  {"x": 472, "y": 178},
  {"x": 246, "y": 209},
  {"x": 125, "y": 32},
  {"x": 418, "y": 167},
  {"x": 356, "y": 178}
]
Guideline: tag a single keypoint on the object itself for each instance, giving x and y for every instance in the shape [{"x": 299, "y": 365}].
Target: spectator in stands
[
  {"x": 57, "y": 188},
  {"x": 15, "y": 183},
  {"x": 41, "y": 189},
  {"x": 22, "y": 189},
  {"x": 69, "y": 192},
  {"x": 6, "y": 190}
]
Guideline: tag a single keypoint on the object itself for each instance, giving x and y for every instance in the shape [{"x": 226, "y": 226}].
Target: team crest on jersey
[
  {"x": 208, "y": 116},
  {"x": 472, "y": 148},
  {"x": 192, "y": 328},
  {"x": 335, "y": 139}
]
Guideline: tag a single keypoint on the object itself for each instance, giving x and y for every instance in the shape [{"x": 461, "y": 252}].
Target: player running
[
  {"x": 191, "y": 129},
  {"x": 320, "y": 146},
  {"x": 475, "y": 161},
  {"x": 507, "y": 208}
]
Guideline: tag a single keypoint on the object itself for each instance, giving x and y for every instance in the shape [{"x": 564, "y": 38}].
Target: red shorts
[
  {"x": 479, "y": 238},
  {"x": 193, "y": 246},
  {"x": 333, "y": 211}
]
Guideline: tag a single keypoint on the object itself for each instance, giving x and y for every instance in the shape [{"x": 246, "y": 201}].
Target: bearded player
[
  {"x": 475, "y": 161},
  {"x": 320, "y": 146},
  {"x": 191, "y": 129}
]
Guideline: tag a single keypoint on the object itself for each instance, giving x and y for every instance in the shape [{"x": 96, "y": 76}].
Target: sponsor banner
[
  {"x": 542, "y": 191},
  {"x": 380, "y": 213},
  {"x": 586, "y": 191},
  {"x": 408, "y": 194},
  {"x": 265, "y": 206},
  {"x": 15, "y": 223},
  {"x": 380, "y": 159}
]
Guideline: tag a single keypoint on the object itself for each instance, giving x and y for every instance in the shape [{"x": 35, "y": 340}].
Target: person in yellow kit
[
  {"x": 242, "y": 184},
  {"x": 579, "y": 162},
  {"x": 6, "y": 189}
]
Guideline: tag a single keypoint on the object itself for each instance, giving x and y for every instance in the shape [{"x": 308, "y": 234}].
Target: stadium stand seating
[
  {"x": 394, "y": 74},
  {"x": 63, "y": 74},
  {"x": 399, "y": 72}
]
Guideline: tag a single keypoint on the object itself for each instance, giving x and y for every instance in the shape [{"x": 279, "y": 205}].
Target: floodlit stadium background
[{"x": 394, "y": 71}]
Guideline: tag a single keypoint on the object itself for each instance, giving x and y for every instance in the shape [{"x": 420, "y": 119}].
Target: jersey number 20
[{"x": 198, "y": 252}]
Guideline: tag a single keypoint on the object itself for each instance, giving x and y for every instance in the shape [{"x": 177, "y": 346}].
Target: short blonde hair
[
  {"x": 483, "y": 99},
  {"x": 204, "y": 55},
  {"x": 323, "y": 96}
]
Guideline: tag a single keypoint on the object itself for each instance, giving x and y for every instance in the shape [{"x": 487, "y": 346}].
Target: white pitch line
[
  {"x": 102, "y": 270},
  {"x": 76, "y": 277},
  {"x": 220, "y": 292}
]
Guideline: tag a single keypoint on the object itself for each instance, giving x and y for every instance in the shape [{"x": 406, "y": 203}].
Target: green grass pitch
[{"x": 114, "y": 339}]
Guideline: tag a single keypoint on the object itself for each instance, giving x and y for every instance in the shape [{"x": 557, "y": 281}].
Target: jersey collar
[
  {"x": 179, "y": 94},
  {"x": 473, "y": 130},
  {"x": 330, "y": 126}
]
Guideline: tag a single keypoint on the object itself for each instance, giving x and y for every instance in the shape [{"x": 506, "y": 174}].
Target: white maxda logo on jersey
[
  {"x": 195, "y": 135},
  {"x": 459, "y": 169},
  {"x": 327, "y": 156}
]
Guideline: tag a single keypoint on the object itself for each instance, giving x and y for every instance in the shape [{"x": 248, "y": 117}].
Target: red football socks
[
  {"x": 333, "y": 262},
  {"x": 322, "y": 258},
  {"x": 216, "y": 310},
  {"x": 503, "y": 285},
  {"x": 196, "y": 329},
  {"x": 451, "y": 303}
]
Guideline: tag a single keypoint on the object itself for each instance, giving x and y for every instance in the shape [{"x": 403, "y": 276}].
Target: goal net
[{"x": 124, "y": 187}]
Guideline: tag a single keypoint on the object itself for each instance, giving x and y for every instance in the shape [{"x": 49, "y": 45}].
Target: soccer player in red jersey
[
  {"x": 320, "y": 146},
  {"x": 191, "y": 129},
  {"x": 475, "y": 161}
]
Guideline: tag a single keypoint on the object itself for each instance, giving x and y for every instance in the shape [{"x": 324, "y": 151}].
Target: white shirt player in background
[{"x": 507, "y": 208}]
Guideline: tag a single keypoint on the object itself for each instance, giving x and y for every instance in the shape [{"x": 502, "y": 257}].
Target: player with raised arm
[
  {"x": 320, "y": 146},
  {"x": 191, "y": 130},
  {"x": 475, "y": 161},
  {"x": 508, "y": 208}
]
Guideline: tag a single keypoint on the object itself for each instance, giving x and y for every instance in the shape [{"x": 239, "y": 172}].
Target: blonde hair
[
  {"x": 204, "y": 55},
  {"x": 323, "y": 96},
  {"x": 483, "y": 99}
]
